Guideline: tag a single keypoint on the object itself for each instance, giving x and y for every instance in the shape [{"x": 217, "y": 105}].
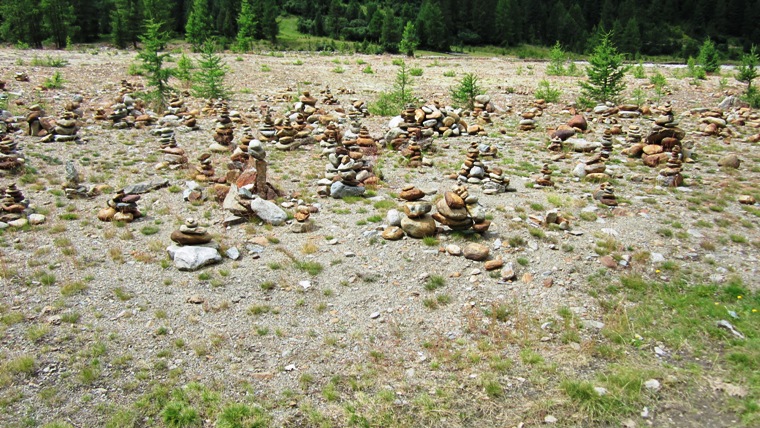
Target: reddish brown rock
[{"x": 578, "y": 121}]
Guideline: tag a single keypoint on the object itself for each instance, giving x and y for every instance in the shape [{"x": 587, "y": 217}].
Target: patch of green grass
[
  {"x": 430, "y": 241},
  {"x": 149, "y": 230},
  {"x": 434, "y": 282},
  {"x": 122, "y": 294},
  {"x": 259, "y": 309},
  {"x": 311, "y": 267}
]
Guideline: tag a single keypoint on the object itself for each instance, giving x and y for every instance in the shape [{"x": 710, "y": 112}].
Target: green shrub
[{"x": 546, "y": 92}]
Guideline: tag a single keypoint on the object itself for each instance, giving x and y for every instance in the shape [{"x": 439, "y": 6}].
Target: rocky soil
[{"x": 312, "y": 325}]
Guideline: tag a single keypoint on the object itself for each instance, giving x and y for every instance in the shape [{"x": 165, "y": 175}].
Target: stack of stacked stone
[
  {"x": 413, "y": 153},
  {"x": 629, "y": 111},
  {"x": 173, "y": 156},
  {"x": 330, "y": 139},
  {"x": 287, "y": 137},
  {"x": 359, "y": 108},
  {"x": 328, "y": 98},
  {"x": 473, "y": 171},
  {"x": 191, "y": 234},
  {"x": 486, "y": 150},
  {"x": 344, "y": 174},
  {"x": 606, "y": 195},
  {"x": 416, "y": 221},
  {"x": 21, "y": 76},
  {"x": 10, "y": 159},
  {"x": 527, "y": 121},
  {"x": 195, "y": 247},
  {"x": 713, "y": 123},
  {"x": 65, "y": 129},
  {"x": 633, "y": 136},
  {"x": 306, "y": 104},
  {"x": 223, "y": 131},
  {"x": 12, "y": 204},
  {"x": 670, "y": 176},
  {"x": 303, "y": 223},
  {"x": 660, "y": 142},
  {"x": 267, "y": 130},
  {"x": 240, "y": 156},
  {"x": 205, "y": 171},
  {"x": 34, "y": 120},
  {"x": 122, "y": 207},
  {"x": 546, "y": 177},
  {"x": 458, "y": 210}
]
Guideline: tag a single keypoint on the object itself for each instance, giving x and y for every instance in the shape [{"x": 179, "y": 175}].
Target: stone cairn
[
  {"x": 473, "y": 171},
  {"x": 223, "y": 131},
  {"x": 191, "y": 234},
  {"x": 285, "y": 136},
  {"x": 712, "y": 123},
  {"x": 633, "y": 136},
  {"x": 660, "y": 142},
  {"x": 330, "y": 139},
  {"x": 413, "y": 153},
  {"x": 65, "y": 129},
  {"x": 328, "y": 98},
  {"x": 195, "y": 247},
  {"x": 527, "y": 121},
  {"x": 10, "y": 159},
  {"x": 555, "y": 145},
  {"x": 576, "y": 124},
  {"x": 457, "y": 210},
  {"x": 21, "y": 76},
  {"x": 174, "y": 157},
  {"x": 38, "y": 124},
  {"x": 428, "y": 121},
  {"x": 73, "y": 187},
  {"x": 670, "y": 176},
  {"x": 267, "y": 130},
  {"x": 359, "y": 108},
  {"x": 12, "y": 204},
  {"x": 205, "y": 171},
  {"x": 606, "y": 195},
  {"x": 545, "y": 180},
  {"x": 122, "y": 207},
  {"x": 344, "y": 174}
]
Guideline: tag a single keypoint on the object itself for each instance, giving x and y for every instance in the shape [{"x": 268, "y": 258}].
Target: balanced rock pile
[
  {"x": 670, "y": 176},
  {"x": 416, "y": 221},
  {"x": 458, "y": 210},
  {"x": 205, "y": 171},
  {"x": 576, "y": 124},
  {"x": 358, "y": 109},
  {"x": 173, "y": 156},
  {"x": 345, "y": 174},
  {"x": 243, "y": 203},
  {"x": 122, "y": 207},
  {"x": 664, "y": 136},
  {"x": 10, "y": 159},
  {"x": 195, "y": 248},
  {"x": 527, "y": 121},
  {"x": 65, "y": 128},
  {"x": 546, "y": 177},
  {"x": 430, "y": 120},
  {"x": 14, "y": 209},
  {"x": 606, "y": 195},
  {"x": 473, "y": 171},
  {"x": 713, "y": 123},
  {"x": 223, "y": 131}
]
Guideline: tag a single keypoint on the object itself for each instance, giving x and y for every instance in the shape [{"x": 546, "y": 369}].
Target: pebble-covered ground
[{"x": 339, "y": 327}]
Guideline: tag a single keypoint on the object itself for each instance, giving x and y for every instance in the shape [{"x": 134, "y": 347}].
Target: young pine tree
[
  {"x": 247, "y": 24},
  {"x": 152, "y": 59},
  {"x": 709, "y": 58},
  {"x": 409, "y": 41},
  {"x": 557, "y": 58},
  {"x": 466, "y": 90},
  {"x": 747, "y": 72},
  {"x": 199, "y": 26},
  {"x": 209, "y": 79},
  {"x": 605, "y": 72}
]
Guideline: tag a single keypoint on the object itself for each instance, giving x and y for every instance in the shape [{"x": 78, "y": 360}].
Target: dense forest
[{"x": 647, "y": 27}]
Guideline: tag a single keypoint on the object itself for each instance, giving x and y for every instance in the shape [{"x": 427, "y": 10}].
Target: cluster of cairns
[
  {"x": 623, "y": 111},
  {"x": 457, "y": 210},
  {"x": 474, "y": 171},
  {"x": 712, "y": 123},
  {"x": 174, "y": 157},
  {"x": 346, "y": 172},
  {"x": 358, "y": 134},
  {"x": 328, "y": 98},
  {"x": 122, "y": 208},
  {"x": 195, "y": 247},
  {"x": 10, "y": 159},
  {"x": 14, "y": 209},
  {"x": 428, "y": 121},
  {"x": 125, "y": 111},
  {"x": 656, "y": 147}
]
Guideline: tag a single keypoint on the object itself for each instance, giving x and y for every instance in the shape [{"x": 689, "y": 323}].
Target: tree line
[{"x": 647, "y": 27}]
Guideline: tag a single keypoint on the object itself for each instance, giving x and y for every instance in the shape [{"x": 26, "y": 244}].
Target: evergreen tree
[
  {"x": 58, "y": 19},
  {"x": 158, "y": 11},
  {"x": 269, "y": 26},
  {"x": 466, "y": 90},
  {"x": 605, "y": 72},
  {"x": 154, "y": 41},
  {"x": 125, "y": 23},
  {"x": 209, "y": 79},
  {"x": 247, "y": 23},
  {"x": 431, "y": 33},
  {"x": 409, "y": 42},
  {"x": 198, "y": 28},
  {"x": 709, "y": 58},
  {"x": 746, "y": 71},
  {"x": 21, "y": 22},
  {"x": 557, "y": 59},
  {"x": 390, "y": 36}
]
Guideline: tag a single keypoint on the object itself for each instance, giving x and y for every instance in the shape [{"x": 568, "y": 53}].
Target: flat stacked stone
[
  {"x": 555, "y": 144},
  {"x": 267, "y": 130},
  {"x": 174, "y": 157},
  {"x": 606, "y": 195},
  {"x": 73, "y": 187},
  {"x": 629, "y": 111},
  {"x": 713, "y": 123},
  {"x": 364, "y": 139},
  {"x": 633, "y": 136},
  {"x": 328, "y": 98},
  {"x": 191, "y": 234},
  {"x": 546, "y": 177},
  {"x": 34, "y": 120},
  {"x": 122, "y": 207},
  {"x": 66, "y": 128},
  {"x": 413, "y": 154},
  {"x": 359, "y": 108},
  {"x": 10, "y": 159},
  {"x": 606, "y": 144},
  {"x": 286, "y": 136},
  {"x": 664, "y": 136},
  {"x": 527, "y": 121},
  {"x": 330, "y": 139},
  {"x": 344, "y": 174},
  {"x": 670, "y": 176}
]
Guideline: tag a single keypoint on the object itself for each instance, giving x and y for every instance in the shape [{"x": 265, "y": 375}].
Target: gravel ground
[{"x": 367, "y": 315}]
